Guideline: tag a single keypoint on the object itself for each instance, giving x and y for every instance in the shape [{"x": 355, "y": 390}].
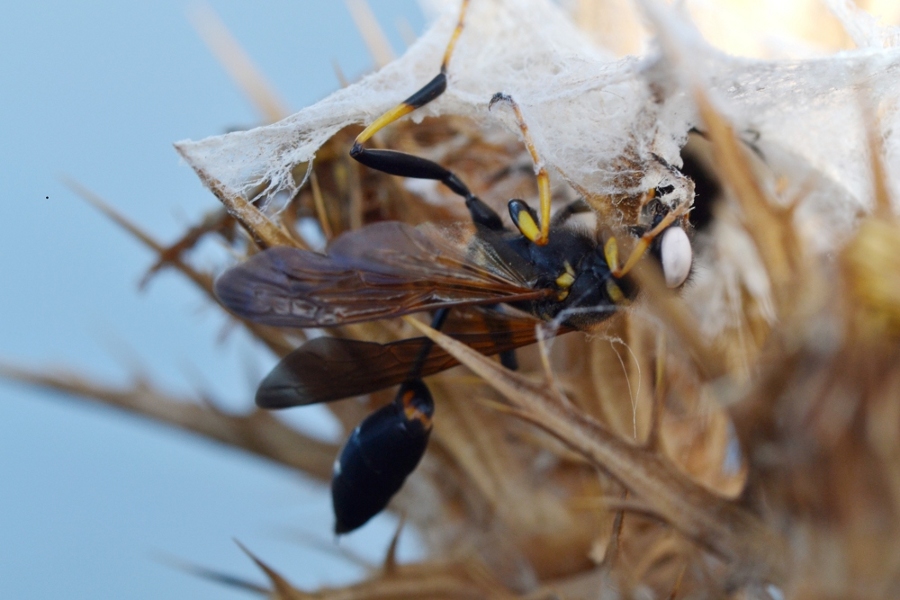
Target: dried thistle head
[
  {"x": 680, "y": 457},
  {"x": 737, "y": 439}
]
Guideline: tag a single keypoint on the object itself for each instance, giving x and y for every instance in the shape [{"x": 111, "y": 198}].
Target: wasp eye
[{"x": 675, "y": 251}]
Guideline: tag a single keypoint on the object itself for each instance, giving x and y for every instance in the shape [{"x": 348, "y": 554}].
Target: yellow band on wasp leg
[
  {"x": 401, "y": 110},
  {"x": 452, "y": 43},
  {"x": 545, "y": 199},
  {"x": 527, "y": 226}
]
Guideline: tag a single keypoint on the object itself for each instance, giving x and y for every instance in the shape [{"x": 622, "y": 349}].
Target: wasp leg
[
  {"x": 407, "y": 165},
  {"x": 429, "y": 91},
  {"x": 437, "y": 322},
  {"x": 540, "y": 236},
  {"x": 508, "y": 359},
  {"x": 393, "y": 162}
]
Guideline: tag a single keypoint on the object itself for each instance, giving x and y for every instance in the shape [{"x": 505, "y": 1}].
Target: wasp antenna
[{"x": 645, "y": 240}]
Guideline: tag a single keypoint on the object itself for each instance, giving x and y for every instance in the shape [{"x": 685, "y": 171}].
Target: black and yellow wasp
[{"x": 544, "y": 268}]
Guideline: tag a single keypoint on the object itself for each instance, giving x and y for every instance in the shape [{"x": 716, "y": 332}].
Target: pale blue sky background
[{"x": 88, "y": 497}]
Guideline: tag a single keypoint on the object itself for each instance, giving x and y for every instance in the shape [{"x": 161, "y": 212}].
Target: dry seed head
[{"x": 752, "y": 445}]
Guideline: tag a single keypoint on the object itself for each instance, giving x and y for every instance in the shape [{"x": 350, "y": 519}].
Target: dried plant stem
[
  {"x": 263, "y": 232},
  {"x": 453, "y": 581},
  {"x": 273, "y": 338},
  {"x": 750, "y": 549},
  {"x": 257, "y": 431},
  {"x": 372, "y": 34},
  {"x": 232, "y": 56}
]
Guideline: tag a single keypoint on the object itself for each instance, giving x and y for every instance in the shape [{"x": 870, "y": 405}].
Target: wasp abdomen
[{"x": 381, "y": 452}]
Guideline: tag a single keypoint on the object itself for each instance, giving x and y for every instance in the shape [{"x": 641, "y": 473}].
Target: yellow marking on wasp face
[
  {"x": 562, "y": 295},
  {"x": 615, "y": 292},
  {"x": 611, "y": 253},
  {"x": 527, "y": 226},
  {"x": 565, "y": 280},
  {"x": 387, "y": 118}
]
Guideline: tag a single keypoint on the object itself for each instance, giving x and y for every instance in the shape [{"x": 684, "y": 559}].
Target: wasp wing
[
  {"x": 383, "y": 270},
  {"x": 327, "y": 368}
]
